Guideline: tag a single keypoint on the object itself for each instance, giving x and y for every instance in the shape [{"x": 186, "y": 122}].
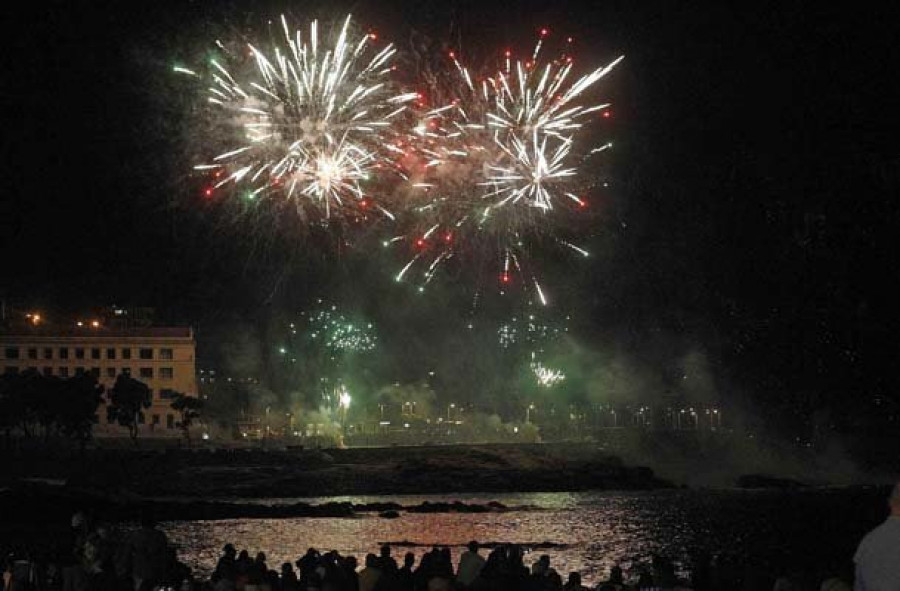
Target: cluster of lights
[
  {"x": 529, "y": 330},
  {"x": 336, "y": 333},
  {"x": 546, "y": 377},
  {"x": 35, "y": 319}
]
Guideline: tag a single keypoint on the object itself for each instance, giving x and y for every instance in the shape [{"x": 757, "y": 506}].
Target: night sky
[{"x": 753, "y": 218}]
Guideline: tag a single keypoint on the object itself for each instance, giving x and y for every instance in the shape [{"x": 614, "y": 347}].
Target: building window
[
  {"x": 79, "y": 353},
  {"x": 146, "y": 372},
  {"x": 95, "y": 353},
  {"x": 12, "y": 352},
  {"x": 155, "y": 420},
  {"x": 32, "y": 368},
  {"x": 32, "y": 353},
  {"x": 63, "y": 372},
  {"x": 141, "y": 418},
  {"x": 48, "y": 371},
  {"x": 110, "y": 372},
  {"x": 111, "y": 353},
  {"x": 166, "y": 373},
  {"x": 170, "y": 421},
  {"x": 126, "y": 371},
  {"x": 63, "y": 352},
  {"x": 12, "y": 369},
  {"x": 95, "y": 371},
  {"x": 48, "y": 353},
  {"x": 126, "y": 353},
  {"x": 167, "y": 393},
  {"x": 146, "y": 353},
  {"x": 166, "y": 354},
  {"x": 79, "y": 371}
]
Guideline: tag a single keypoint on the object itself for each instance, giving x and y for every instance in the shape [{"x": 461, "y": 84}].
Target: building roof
[{"x": 51, "y": 332}]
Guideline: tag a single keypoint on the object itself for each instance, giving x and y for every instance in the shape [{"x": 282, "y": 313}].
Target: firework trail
[
  {"x": 306, "y": 120},
  {"x": 498, "y": 166}
]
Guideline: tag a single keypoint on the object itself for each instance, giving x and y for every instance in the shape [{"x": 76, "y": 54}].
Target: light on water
[{"x": 588, "y": 532}]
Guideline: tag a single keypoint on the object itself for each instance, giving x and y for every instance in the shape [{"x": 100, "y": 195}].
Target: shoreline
[
  {"x": 23, "y": 501},
  {"x": 221, "y": 474}
]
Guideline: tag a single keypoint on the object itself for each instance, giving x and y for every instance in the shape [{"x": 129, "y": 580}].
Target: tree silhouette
[
  {"x": 189, "y": 408},
  {"x": 127, "y": 399},
  {"x": 76, "y": 406}
]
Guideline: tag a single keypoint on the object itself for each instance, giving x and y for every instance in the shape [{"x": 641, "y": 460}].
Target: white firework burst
[{"x": 312, "y": 116}]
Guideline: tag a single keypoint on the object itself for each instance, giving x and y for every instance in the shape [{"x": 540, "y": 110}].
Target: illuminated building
[{"x": 163, "y": 358}]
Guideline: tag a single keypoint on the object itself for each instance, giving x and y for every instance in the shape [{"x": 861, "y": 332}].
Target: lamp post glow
[{"x": 343, "y": 405}]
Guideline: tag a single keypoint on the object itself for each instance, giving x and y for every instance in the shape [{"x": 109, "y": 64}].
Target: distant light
[
  {"x": 80, "y": 323},
  {"x": 607, "y": 114},
  {"x": 95, "y": 323},
  {"x": 544, "y": 32},
  {"x": 205, "y": 436}
]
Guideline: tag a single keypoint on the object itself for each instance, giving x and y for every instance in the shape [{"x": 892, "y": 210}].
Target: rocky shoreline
[
  {"x": 57, "y": 503},
  {"x": 256, "y": 473},
  {"x": 118, "y": 484}
]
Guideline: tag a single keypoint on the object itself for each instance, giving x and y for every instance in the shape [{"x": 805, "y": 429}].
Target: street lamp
[{"x": 528, "y": 410}]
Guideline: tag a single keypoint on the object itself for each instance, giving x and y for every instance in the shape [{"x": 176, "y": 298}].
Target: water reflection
[{"x": 593, "y": 530}]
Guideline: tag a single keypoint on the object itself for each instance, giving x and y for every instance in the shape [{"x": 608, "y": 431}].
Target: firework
[
  {"x": 546, "y": 377},
  {"x": 499, "y": 166},
  {"x": 306, "y": 120},
  {"x": 327, "y": 329},
  {"x": 530, "y": 331}
]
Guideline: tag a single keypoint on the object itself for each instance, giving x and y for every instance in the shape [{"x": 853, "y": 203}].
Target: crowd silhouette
[{"x": 143, "y": 560}]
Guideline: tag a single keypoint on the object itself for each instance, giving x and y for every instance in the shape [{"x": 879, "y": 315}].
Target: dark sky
[{"x": 755, "y": 210}]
